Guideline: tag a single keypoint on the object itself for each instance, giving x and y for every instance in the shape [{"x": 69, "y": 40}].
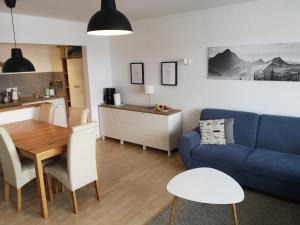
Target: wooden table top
[
  {"x": 33, "y": 138},
  {"x": 139, "y": 108}
]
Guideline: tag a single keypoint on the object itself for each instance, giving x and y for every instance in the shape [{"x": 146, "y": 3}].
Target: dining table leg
[{"x": 41, "y": 187}]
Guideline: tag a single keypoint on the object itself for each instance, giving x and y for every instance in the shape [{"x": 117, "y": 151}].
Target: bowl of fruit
[{"x": 162, "y": 108}]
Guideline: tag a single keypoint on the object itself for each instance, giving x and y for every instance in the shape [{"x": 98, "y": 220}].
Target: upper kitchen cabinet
[{"x": 45, "y": 58}]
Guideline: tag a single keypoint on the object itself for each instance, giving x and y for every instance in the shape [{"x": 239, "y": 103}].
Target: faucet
[{"x": 38, "y": 94}]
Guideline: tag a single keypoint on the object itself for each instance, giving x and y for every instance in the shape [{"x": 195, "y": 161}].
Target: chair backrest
[
  {"x": 10, "y": 160},
  {"x": 47, "y": 113},
  {"x": 78, "y": 116},
  {"x": 82, "y": 166}
]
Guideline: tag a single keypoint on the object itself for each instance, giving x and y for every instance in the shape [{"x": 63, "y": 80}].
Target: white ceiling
[{"x": 81, "y": 10}]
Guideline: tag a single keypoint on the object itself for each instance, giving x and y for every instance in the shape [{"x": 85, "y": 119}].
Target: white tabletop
[{"x": 206, "y": 185}]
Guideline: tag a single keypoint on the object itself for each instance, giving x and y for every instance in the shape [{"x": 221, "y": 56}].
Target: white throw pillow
[{"x": 212, "y": 132}]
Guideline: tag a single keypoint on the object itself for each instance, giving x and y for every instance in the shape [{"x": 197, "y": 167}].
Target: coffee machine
[{"x": 108, "y": 96}]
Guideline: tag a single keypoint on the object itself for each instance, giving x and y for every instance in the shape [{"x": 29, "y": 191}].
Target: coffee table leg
[
  {"x": 172, "y": 213},
  {"x": 234, "y": 215}
]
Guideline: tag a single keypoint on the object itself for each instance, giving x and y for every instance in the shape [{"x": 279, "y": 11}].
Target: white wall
[
  {"x": 190, "y": 34},
  {"x": 38, "y": 30}
]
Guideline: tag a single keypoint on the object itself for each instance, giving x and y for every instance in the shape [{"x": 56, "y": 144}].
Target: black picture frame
[
  {"x": 137, "y": 73},
  {"x": 174, "y": 74}
]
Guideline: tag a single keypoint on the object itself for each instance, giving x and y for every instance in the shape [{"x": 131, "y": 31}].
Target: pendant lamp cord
[{"x": 13, "y": 25}]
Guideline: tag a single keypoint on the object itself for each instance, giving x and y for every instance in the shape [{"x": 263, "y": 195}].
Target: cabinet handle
[{"x": 76, "y": 86}]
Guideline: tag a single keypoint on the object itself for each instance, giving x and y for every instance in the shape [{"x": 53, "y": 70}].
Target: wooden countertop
[
  {"x": 138, "y": 108},
  {"x": 32, "y": 100},
  {"x": 22, "y": 104},
  {"x": 17, "y": 107}
]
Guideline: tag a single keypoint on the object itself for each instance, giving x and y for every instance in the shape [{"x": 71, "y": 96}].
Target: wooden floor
[{"x": 133, "y": 190}]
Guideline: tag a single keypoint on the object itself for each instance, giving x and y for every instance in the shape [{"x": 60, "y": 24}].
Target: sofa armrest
[{"x": 186, "y": 143}]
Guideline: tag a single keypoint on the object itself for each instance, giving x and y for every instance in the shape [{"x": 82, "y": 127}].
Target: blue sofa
[{"x": 265, "y": 156}]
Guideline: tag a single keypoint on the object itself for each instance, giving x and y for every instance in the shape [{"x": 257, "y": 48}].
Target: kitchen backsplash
[{"x": 28, "y": 83}]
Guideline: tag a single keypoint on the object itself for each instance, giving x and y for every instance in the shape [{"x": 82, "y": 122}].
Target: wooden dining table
[{"x": 39, "y": 141}]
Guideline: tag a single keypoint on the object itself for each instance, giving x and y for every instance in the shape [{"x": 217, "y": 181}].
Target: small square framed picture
[
  {"x": 169, "y": 73},
  {"x": 137, "y": 73}
]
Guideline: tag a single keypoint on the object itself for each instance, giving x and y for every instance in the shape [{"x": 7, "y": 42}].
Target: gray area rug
[{"x": 256, "y": 209}]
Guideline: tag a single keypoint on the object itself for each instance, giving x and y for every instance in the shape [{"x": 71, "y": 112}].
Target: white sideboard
[{"x": 142, "y": 126}]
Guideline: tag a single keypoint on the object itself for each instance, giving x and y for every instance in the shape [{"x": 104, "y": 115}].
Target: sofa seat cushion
[
  {"x": 229, "y": 156},
  {"x": 279, "y": 166}
]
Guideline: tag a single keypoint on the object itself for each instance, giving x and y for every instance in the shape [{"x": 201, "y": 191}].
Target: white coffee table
[{"x": 206, "y": 185}]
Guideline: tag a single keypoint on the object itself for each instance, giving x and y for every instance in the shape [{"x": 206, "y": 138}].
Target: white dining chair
[
  {"x": 78, "y": 116},
  {"x": 80, "y": 168},
  {"x": 46, "y": 113},
  {"x": 17, "y": 172}
]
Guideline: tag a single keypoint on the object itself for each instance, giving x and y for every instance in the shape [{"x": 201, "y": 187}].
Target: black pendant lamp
[
  {"x": 17, "y": 63},
  {"x": 109, "y": 21}
]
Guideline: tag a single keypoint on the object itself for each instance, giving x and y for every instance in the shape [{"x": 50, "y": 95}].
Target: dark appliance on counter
[{"x": 108, "y": 96}]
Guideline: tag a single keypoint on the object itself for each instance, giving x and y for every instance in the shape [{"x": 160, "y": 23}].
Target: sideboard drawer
[
  {"x": 130, "y": 126},
  {"x": 130, "y": 117},
  {"x": 155, "y": 131},
  {"x": 109, "y": 123}
]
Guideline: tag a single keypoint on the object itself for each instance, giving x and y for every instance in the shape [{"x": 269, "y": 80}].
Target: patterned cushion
[{"x": 212, "y": 132}]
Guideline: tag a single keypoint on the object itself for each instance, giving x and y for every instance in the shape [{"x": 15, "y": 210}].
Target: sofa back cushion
[
  {"x": 279, "y": 133},
  {"x": 245, "y": 124}
]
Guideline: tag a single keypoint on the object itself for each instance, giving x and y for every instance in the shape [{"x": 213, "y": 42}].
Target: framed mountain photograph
[{"x": 266, "y": 62}]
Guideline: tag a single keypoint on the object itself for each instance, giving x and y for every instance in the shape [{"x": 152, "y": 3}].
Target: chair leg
[
  {"x": 55, "y": 186},
  {"x": 74, "y": 201},
  {"x": 49, "y": 182},
  {"x": 6, "y": 191},
  {"x": 19, "y": 199},
  {"x": 97, "y": 187},
  {"x": 62, "y": 187}
]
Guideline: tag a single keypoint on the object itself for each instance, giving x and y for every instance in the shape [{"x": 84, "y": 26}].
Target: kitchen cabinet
[
  {"x": 60, "y": 115},
  {"x": 17, "y": 115},
  {"x": 46, "y": 58}
]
